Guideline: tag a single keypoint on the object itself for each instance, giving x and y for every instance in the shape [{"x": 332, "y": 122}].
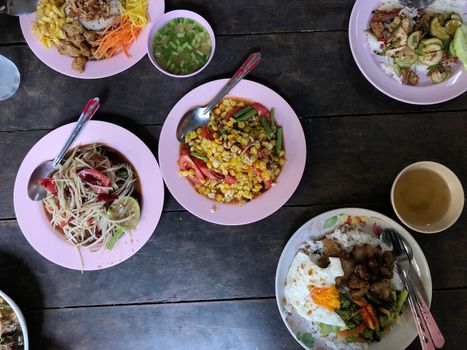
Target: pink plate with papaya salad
[
  {"x": 90, "y": 39},
  {"x": 103, "y": 202},
  {"x": 244, "y": 164}
]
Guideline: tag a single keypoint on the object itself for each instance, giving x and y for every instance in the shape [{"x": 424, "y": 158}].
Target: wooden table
[{"x": 196, "y": 285}]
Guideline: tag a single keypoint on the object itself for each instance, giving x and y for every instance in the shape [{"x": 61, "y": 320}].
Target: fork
[
  {"x": 428, "y": 331},
  {"x": 418, "y": 4}
]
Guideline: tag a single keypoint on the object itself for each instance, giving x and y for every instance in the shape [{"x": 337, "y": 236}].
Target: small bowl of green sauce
[{"x": 181, "y": 43}]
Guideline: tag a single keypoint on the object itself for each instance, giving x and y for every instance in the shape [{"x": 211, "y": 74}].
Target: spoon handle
[
  {"x": 87, "y": 113},
  {"x": 250, "y": 63}
]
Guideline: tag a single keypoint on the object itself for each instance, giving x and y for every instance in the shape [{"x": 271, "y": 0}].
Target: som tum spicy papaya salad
[
  {"x": 91, "y": 198},
  {"x": 237, "y": 156},
  {"x": 417, "y": 43}
]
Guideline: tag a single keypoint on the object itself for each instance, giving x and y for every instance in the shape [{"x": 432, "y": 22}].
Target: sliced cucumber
[
  {"x": 452, "y": 50},
  {"x": 438, "y": 77},
  {"x": 437, "y": 30},
  {"x": 405, "y": 58},
  {"x": 451, "y": 26},
  {"x": 398, "y": 70},
  {"x": 431, "y": 41},
  {"x": 431, "y": 59},
  {"x": 414, "y": 39},
  {"x": 455, "y": 16},
  {"x": 432, "y": 48},
  {"x": 460, "y": 44}
]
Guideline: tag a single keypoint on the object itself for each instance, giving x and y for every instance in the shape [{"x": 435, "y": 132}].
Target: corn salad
[{"x": 235, "y": 157}]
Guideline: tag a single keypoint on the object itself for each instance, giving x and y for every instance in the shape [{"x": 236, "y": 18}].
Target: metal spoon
[
  {"x": 199, "y": 116},
  {"x": 35, "y": 191},
  {"x": 18, "y": 7}
]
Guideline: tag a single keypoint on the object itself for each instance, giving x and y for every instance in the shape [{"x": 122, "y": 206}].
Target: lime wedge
[
  {"x": 125, "y": 213},
  {"x": 460, "y": 44}
]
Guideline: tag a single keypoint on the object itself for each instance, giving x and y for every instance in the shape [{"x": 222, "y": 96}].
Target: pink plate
[
  {"x": 368, "y": 64},
  {"x": 265, "y": 204},
  {"x": 31, "y": 216},
  {"x": 94, "y": 69}
]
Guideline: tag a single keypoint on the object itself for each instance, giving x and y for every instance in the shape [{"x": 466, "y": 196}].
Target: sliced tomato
[
  {"x": 48, "y": 184},
  {"x": 185, "y": 162},
  {"x": 262, "y": 111},
  {"x": 201, "y": 164},
  {"x": 217, "y": 175},
  {"x": 206, "y": 133},
  {"x": 94, "y": 177},
  {"x": 266, "y": 183},
  {"x": 369, "y": 316},
  {"x": 108, "y": 198},
  {"x": 232, "y": 112},
  {"x": 230, "y": 179}
]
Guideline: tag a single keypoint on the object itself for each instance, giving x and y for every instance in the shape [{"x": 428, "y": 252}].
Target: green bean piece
[
  {"x": 273, "y": 120},
  {"x": 116, "y": 236},
  {"x": 266, "y": 127},
  {"x": 246, "y": 116},
  {"x": 242, "y": 112},
  {"x": 199, "y": 156},
  {"x": 279, "y": 135}
]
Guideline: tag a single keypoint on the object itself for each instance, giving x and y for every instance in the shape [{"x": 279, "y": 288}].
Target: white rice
[
  {"x": 355, "y": 237},
  {"x": 445, "y": 6}
]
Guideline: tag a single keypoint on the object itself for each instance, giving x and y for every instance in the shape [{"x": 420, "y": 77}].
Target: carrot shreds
[{"x": 117, "y": 37}]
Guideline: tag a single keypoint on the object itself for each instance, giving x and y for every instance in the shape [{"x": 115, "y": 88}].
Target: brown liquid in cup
[{"x": 422, "y": 197}]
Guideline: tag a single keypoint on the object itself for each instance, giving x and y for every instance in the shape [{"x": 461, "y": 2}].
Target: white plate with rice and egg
[
  {"x": 318, "y": 302},
  {"x": 385, "y": 57}
]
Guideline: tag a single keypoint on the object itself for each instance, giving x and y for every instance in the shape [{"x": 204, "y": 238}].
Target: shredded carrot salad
[{"x": 121, "y": 33}]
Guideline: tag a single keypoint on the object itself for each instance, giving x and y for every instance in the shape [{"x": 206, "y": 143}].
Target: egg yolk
[{"x": 327, "y": 297}]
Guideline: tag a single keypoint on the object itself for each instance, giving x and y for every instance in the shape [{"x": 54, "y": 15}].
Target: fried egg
[{"x": 311, "y": 290}]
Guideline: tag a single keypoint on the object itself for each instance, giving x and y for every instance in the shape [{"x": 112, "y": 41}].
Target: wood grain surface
[{"x": 197, "y": 285}]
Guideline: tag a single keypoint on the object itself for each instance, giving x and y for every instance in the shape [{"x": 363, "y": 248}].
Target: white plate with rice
[
  {"x": 402, "y": 333},
  {"x": 379, "y": 71}
]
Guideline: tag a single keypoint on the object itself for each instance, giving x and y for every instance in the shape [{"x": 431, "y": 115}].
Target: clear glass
[{"x": 9, "y": 78}]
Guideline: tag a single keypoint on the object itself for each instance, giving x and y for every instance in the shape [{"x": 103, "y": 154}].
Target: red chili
[{"x": 48, "y": 184}]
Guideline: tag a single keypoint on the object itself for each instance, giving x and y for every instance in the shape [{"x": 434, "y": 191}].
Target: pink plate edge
[
  {"x": 267, "y": 203},
  {"x": 94, "y": 69},
  {"x": 423, "y": 95},
  {"x": 33, "y": 222}
]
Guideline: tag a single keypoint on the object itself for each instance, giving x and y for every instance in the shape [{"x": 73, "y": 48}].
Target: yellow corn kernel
[
  {"x": 231, "y": 137},
  {"x": 241, "y": 124},
  {"x": 233, "y": 103},
  {"x": 282, "y": 161},
  {"x": 230, "y": 123},
  {"x": 217, "y": 111},
  {"x": 219, "y": 149},
  {"x": 265, "y": 175}
]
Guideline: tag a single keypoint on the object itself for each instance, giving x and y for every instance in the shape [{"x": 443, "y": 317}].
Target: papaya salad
[
  {"x": 90, "y": 29},
  {"x": 237, "y": 156},
  {"x": 417, "y": 46},
  {"x": 93, "y": 199}
]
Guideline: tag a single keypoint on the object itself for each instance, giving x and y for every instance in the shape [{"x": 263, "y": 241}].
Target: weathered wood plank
[
  {"x": 189, "y": 259},
  {"x": 315, "y": 82},
  {"x": 349, "y": 160},
  {"x": 254, "y": 324},
  {"x": 243, "y": 17}
]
